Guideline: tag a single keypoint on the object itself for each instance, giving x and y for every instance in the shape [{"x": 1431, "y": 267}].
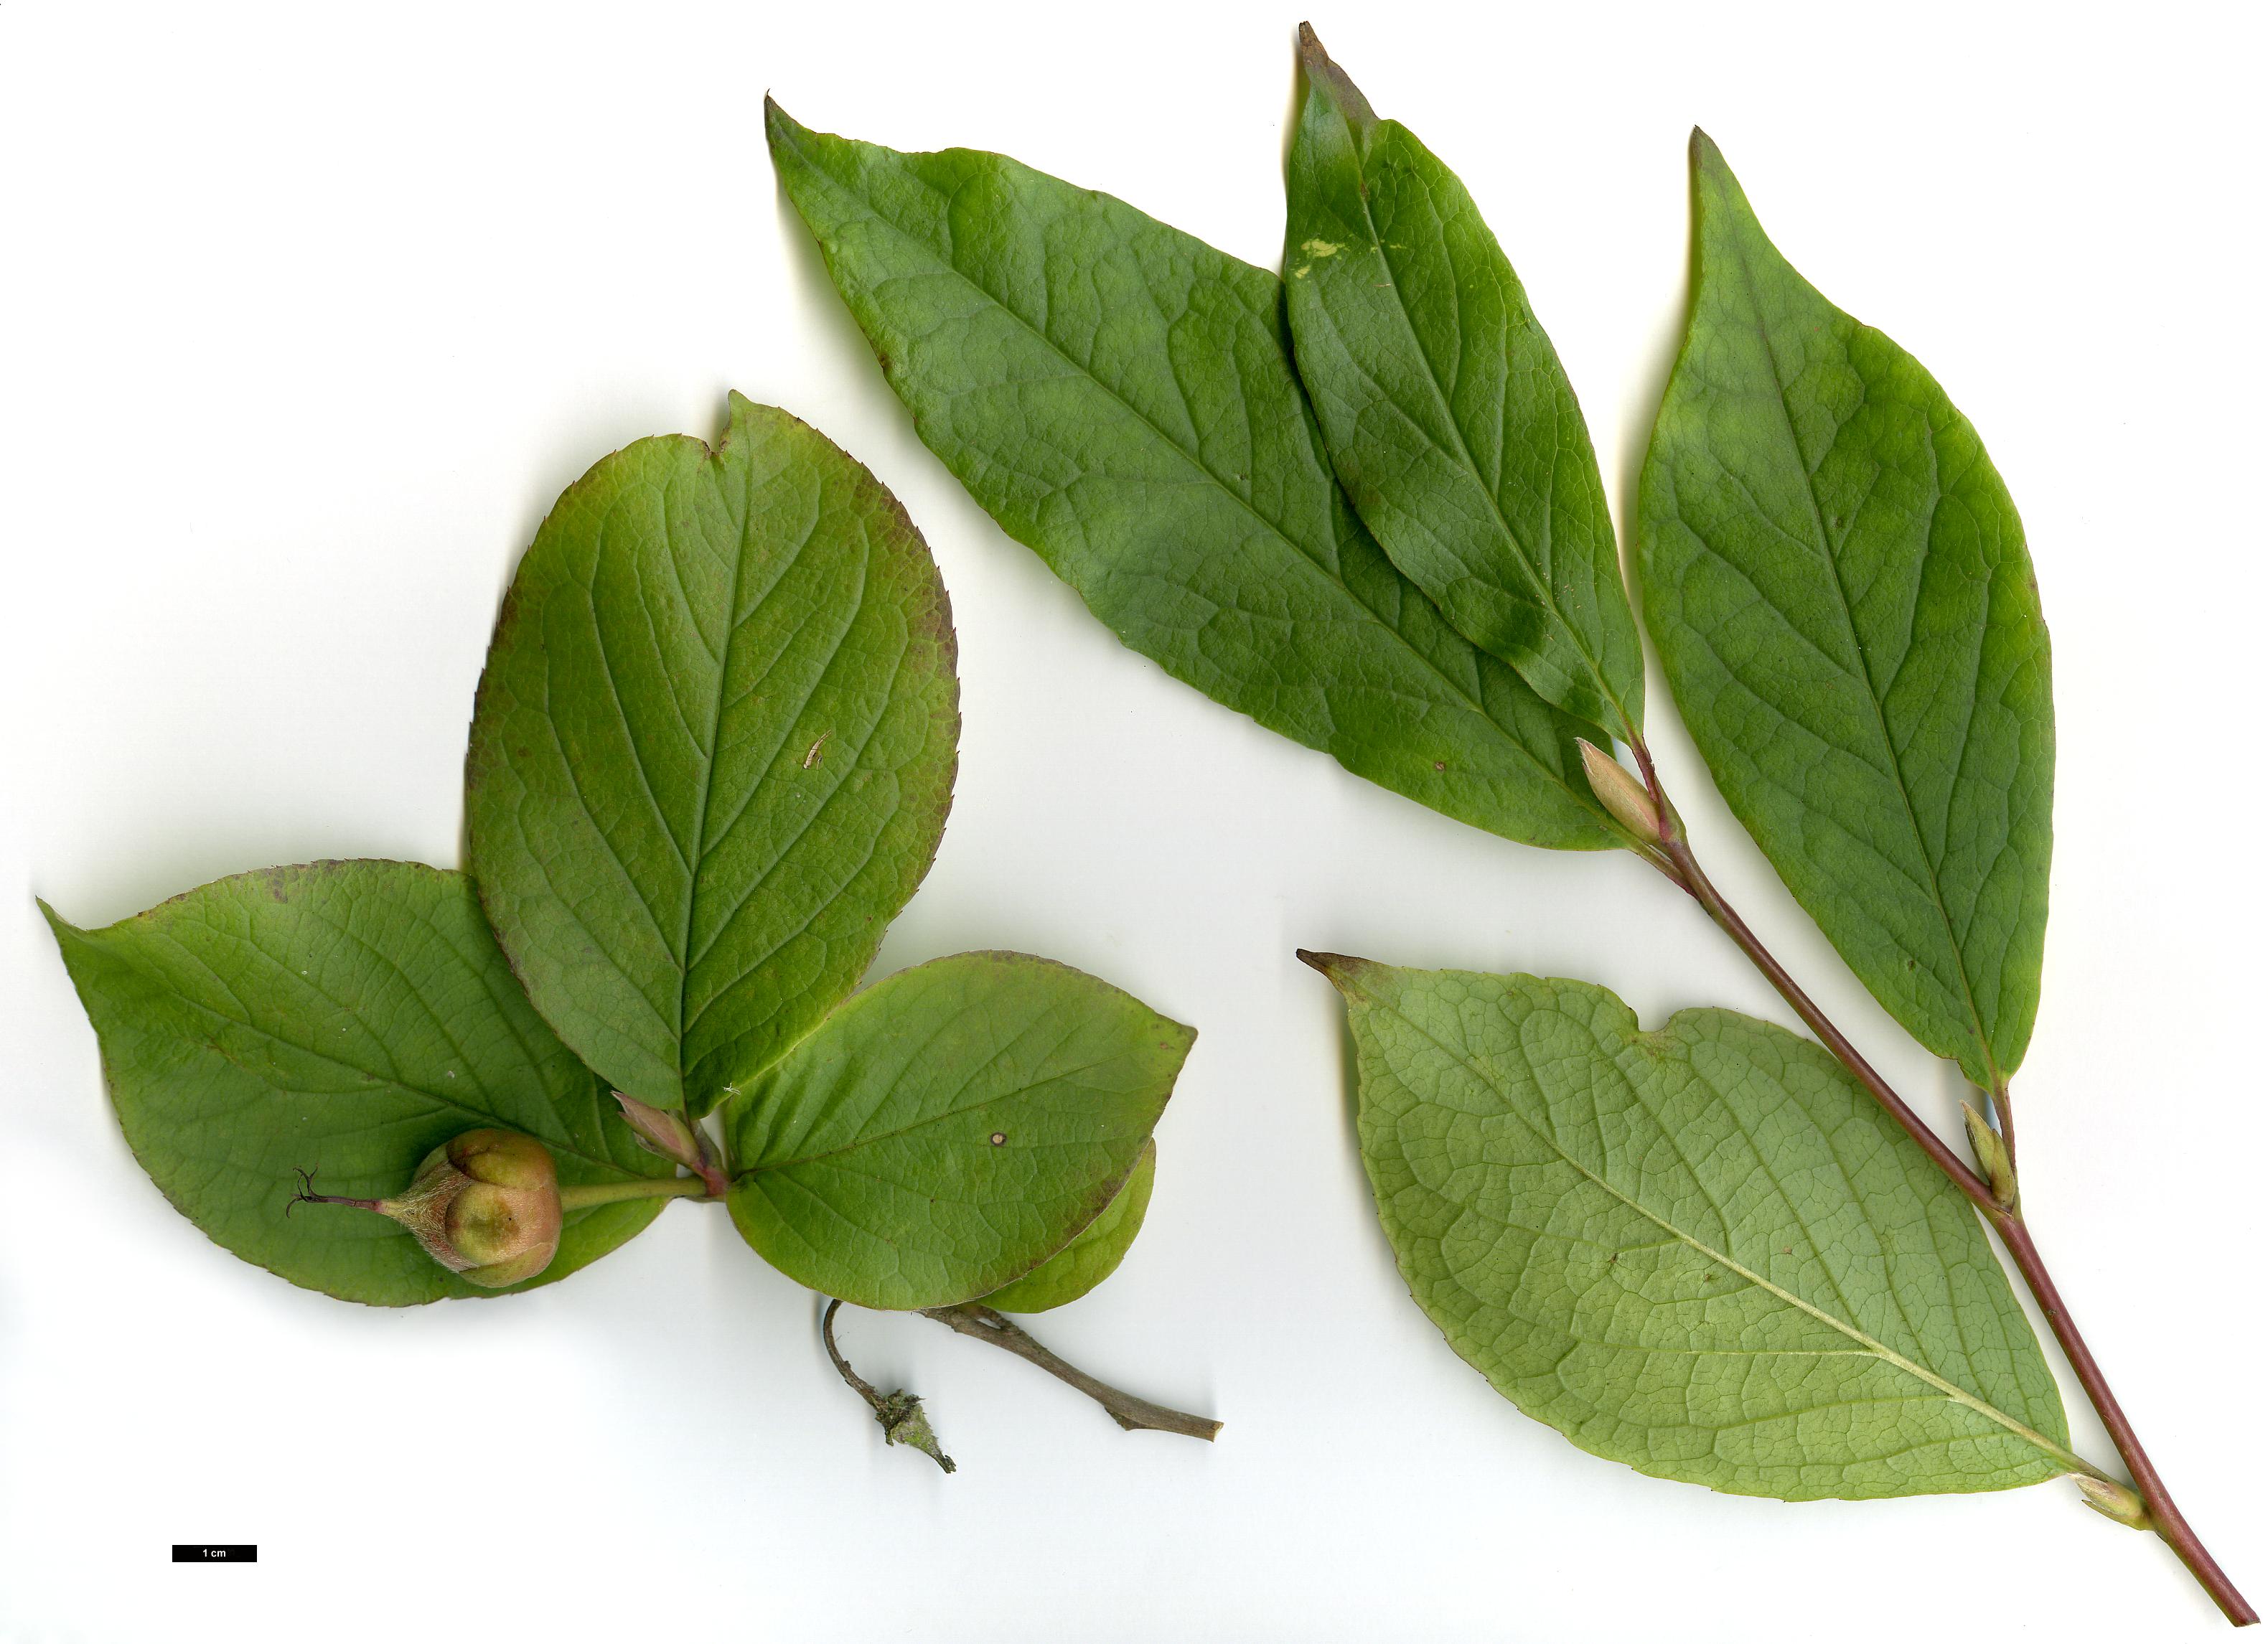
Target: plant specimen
[
  {"x": 711, "y": 760},
  {"x": 1360, "y": 504}
]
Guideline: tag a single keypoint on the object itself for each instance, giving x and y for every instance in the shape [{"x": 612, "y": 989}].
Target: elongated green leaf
[
  {"x": 713, "y": 751},
  {"x": 345, "y": 1018},
  {"x": 1090, "y": 1257},
  {"x": 1120, "y": 397},
  {"x": 1701, "y": 1250},
  {"x": 1442, "y": 403},
  {"x": 948, "y": 1129},
  {"x": 1837, "y": 583}
]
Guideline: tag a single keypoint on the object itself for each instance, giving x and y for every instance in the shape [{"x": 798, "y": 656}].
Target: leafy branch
[
  {"x": 711, "y": 760},
  {"x": 1405, "y": 560}
]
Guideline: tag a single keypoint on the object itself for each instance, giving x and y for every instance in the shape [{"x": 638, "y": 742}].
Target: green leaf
[
  {"x": 1120, "y": 397},
  {"x": 1443, "y": 408},
  {"x": 1837, "y": 583},
  {"x": 712, "y": 753},
  {"x": 344, "y": 1017},
  {"x": 1090, "y": 1257},
  {"x": 948, "y": 1130},
  {"x": 1702, "y": 1251}
]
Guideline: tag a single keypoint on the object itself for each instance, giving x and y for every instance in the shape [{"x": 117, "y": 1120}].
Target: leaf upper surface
[
  {"x": 713, "y": 751},
  {"x": 1702, "y": 1251},
  {"x": 1446, "y": 414},
  {"x": 948, "y": 1129},
  {"x": 1120, "y": 397},
  {"x": 345, "y": 1018},
  {"x": 1090, "y": 1257},
  {"x": 1837, "y": 583}
]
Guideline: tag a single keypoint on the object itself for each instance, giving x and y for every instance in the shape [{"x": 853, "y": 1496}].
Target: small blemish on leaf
[
  {"x": 1321, "y": 248},
  {"x": 999, "y": 1138},
  {"x": 812, "y": 758},
  {"x": 1440, "y": 765}
]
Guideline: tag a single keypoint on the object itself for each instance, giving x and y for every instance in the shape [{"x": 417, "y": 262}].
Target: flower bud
[
  {"x": 2114, "y": 1501},
  {"x": 484, "y": 1205},
  {"x": 1991, "y": 1155},
  {"x": 1621, "y": 793},
  {"x": 674, "y": 1136}
]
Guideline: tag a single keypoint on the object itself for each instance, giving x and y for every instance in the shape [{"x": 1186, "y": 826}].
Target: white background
[{"x": 307, "y": 314}]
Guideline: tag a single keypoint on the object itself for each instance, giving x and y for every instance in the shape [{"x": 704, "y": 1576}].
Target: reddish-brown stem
[
  {"x": 1696, "y": 885},
  {"x": 2165, "y": 1517},
  {"x": 1675, "y": 857}
]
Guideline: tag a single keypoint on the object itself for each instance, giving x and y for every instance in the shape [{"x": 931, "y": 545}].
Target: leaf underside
[
  {"x": 712, "y": 753},
  {"x": 1837, "y": 583},
  {"x": 343, "y": 1018},
  {"x": 948, "y": 1129},
  {"x": 1090, "y": 1257},
  {"x": 1119, "y": 396},
  {"x": 1701, "y": 1251},
  {"x": 1446, "y": 414}
]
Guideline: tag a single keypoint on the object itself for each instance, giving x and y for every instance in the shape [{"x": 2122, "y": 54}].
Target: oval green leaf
[
  {"x": 712, "y": 753},
  {"x": 948, "y": 1130},
  {"x": 345, "y": 1018},
  {"x": 1448, "y": 416},
  {"x": 1120, "y": 397},
  {"x": 1702, "y": 1251},
  {"x": 1837, "y": 583},
  {"x": 1093, "y": 1256}
]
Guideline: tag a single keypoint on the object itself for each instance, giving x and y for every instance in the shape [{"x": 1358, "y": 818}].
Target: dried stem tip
[
  {"x": 1625, "y": 798},
  {"x": 900, "y": 1414}
]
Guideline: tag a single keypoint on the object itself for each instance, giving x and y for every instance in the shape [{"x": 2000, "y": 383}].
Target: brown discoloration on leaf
[{"x": 1331, "y": 80}]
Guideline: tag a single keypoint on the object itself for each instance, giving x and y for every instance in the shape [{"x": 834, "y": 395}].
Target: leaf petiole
[{"x": 582, "y": 1195}]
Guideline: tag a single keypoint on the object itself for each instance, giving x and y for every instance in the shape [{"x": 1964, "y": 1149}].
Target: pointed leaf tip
[
  {"x": 1339, "y": 968},
  {"x": 1327, "y": 77},
  {"x": 1702, "y": 154}
]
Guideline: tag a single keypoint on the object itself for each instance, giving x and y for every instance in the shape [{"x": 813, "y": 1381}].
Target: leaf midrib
[
  {"x": 858, "y": 1143},
  {"x": 1866, "y": 1343},
  {"x": 712, "y": 470},
  {"x": 1300, "y": 554},
  {"x": 1464, "y": 454},
  {"x": 1748, "y": 285},
  {"x": 386, "y": 1080}
]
